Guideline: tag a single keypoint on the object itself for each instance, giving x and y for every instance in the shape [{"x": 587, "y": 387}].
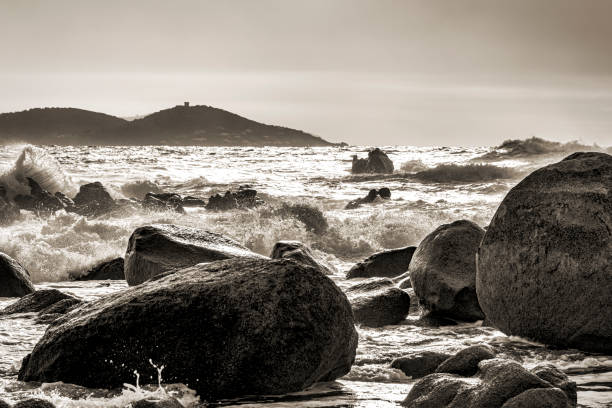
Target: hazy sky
[{"x": 468, "y": 72}]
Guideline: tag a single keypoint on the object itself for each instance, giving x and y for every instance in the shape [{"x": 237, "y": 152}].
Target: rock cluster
[
  {"x": 243, "y": 198},
  {"x": 373, "y": 194},
  {"x": 377, "y": 162}
]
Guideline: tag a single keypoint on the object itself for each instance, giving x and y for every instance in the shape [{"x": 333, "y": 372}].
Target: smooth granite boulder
[
  {"x": 377, "y": 302},
  {"x": 443, "y": 270},
  {"x": 545, "y": 262},
  {"x": 225, "y": 329},
  {"x": 300, "y": 252}
]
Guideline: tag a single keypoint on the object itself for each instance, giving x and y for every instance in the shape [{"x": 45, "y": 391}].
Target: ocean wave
[
  {"x": 138, "y": 189},
  {"x": 535, "y": 146},
  {"x": 468, "y": 173},
  {"x": 413, "y": 166},
  {"x": 35, "y": 163}
]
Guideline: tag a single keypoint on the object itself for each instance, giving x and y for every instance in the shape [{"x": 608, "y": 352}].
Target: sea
[{"x": 429, "y": 187}]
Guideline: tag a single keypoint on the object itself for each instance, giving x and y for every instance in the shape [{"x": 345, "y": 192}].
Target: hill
[
  {"x": 181, "y": 125},
  {"x": 61, "y": 126}
]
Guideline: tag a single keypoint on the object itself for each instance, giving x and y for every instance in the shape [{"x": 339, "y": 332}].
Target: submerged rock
[
  {"x": 545, "y": 262},
  {"x": 14, "y": 278},
  {"x": 243, "y": 198},
  {"x": 154, "y": 249},
  {"x": 417, "y": 365},
  {"x": 497, "y": 383},
  {"x": 190, "y": 201},
  {"x": 443, "y": 270},
  {"x": 301, "y": 253},
  {"x": 225, "y": 329},
  {"x": 39, "y": 200},
  {"x": 377, "y": 162},
  {"x": 376, "y": 302},
  {"x": 36, "y": 301},
  {"x": 386, "y": 264},
  {"x": 109, "y": 270},
  {"x": 168, "y": 402},
  {"x": 373, "y": 194}
]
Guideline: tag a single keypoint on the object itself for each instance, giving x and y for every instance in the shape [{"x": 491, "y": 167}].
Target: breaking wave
[
  {"x": 37, "y": 164},
  {"x": 469, "y": 173},
  {"x": 536, "y": 146}
]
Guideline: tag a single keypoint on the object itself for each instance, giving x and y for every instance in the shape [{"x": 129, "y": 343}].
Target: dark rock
[
  {"x": 384, "y": 193},
  {"x": 465, "y": 362},
  {"x": 225, "y": 329},
  {"x": 370, "y": 198},
  {"x": 37, "y": 301},
  {"x": 154, "y": 249},
  {"x": 418, "y": 365},
  {"x": 109, "y": 270},
  {"x": 4, "y": 404},
  {"x": 39, "y": 200},
  {"x": 545, "y": 263},
  {"x": 33, "y": 403},
  {"x": 497, "y": 382},
  {"x": 443, "y": 270},
  {"x": 66, "y": 201},
  {"x": 377, "y": 162},
  {"x": 376, "y": 302},
  {"x": 57, "y": 310},
  {"x": 163, "y": 202},
  {"x": 190, "y": 201},
  {"x": 168, "y": 402},
  {"x": 247, "y": 197},
  {"x": 312, "y": 218},
  {"x": 92, "y": 200},
  {"x": 243, "y": 198},
  {"x": 539, "y": 398},
  {"x": 387, "y": 264},
  {"x": 301, "y": 253},
  {"x": 14, "y": 278},
  {"x": 558, "y": 379}
]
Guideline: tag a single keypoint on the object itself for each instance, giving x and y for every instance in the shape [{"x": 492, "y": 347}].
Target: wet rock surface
[
  {"x": 549, "y": 241},
  {"x": 443, "y": 270},
  {"x": 376, "y": 302},
  {"x": 226, "y": 329},
  {"x": 301, "y": 253},
  {"x": 158, "y": 248},
  {"x": 376, "y": 162},
  {"x": 109, "y": 270},
  {"x": 14, "y": 278},
  {"x": 387, "y": 264}
]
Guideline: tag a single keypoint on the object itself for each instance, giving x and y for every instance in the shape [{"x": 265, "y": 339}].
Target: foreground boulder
[
  {"x": 226, "y": 329},
  {"x": 301, "y": 253},
  {"x": 443, "y": 270},
  {"x": 386, "y": 264},
  {"x": 545, "y": 263},
  {"x": 377, "y": 162},
  {"x": 154, "y": 249},
  {"x": 498, "y": 383},
  {"x": 376, "y": 302},
  {"x": 14, "y": 278},
  {"x": 109, "y": 270}
]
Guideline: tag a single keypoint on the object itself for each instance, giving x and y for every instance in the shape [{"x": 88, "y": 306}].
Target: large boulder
[
  {"x": 545, "y": 263},
  {"x": 498, "y": 382},
  {"x": 377, "y": 162},
  {"x": 376, "y": 302},
  {"x": 443, "y": 270},
  {"x": 385, "y": 264},
  {"x": 108, "y": 270},
  {"x": 225, "y": 329},
  {"x": 301, "y": 253},
  {"x": 14, "y": 278},
  {"x": 154, "y": 249}
]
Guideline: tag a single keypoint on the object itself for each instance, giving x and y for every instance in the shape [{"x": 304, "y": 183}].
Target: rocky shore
[{"x": 229, "y": 322}]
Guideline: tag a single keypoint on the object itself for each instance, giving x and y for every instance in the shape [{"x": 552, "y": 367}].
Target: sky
[{"x": 377, "y": 72}]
